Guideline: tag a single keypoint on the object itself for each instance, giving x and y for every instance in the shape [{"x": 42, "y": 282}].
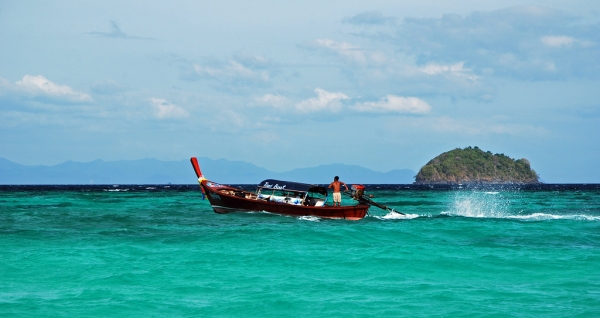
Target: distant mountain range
[{"x": 152, "y": 171}]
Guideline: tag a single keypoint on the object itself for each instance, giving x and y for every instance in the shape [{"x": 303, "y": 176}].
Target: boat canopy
[{"x": 292, "y": 186}]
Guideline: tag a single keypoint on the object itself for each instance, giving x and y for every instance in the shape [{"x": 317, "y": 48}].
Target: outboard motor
[
  {"x": 358, "y": 194},
  {"x": 358, "y": 190}
]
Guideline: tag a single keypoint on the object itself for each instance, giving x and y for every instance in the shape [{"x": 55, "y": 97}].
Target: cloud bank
[
  {"x": 324, "y": 101},
  {"x": 166, "y": 110},
  {"x": 38, "y": 87},
  {"x": 525, "y": 42},
  {"x": 394, "y": 104},
  {"x": 239, "y": 74},
  {"x": 334, "y": 102}
]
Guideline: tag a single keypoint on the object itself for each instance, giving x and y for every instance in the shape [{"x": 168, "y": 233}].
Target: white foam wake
[
  {"x": 530, "y": 217},
  {"x": 309, "y": 218},
  {"x": 397, "y": 216},
  {"x": 545, "y": 216}
]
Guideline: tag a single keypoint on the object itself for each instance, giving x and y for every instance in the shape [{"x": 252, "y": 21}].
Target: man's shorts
[{"x": 337, "y": 197}]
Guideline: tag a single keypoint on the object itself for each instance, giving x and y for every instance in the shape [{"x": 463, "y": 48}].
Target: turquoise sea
[{"x": 160, "y": 251}]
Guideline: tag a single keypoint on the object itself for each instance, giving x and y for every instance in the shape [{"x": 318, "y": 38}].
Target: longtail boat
[{"x": 282, "y": 197}]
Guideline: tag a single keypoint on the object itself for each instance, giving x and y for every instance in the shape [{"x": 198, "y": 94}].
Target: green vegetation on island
[{"x": 473, "y": 165}]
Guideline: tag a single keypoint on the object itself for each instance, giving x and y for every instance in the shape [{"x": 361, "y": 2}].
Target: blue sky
[{"x": 381, "y": 84}]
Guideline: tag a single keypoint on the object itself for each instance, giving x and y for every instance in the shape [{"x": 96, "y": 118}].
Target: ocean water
[{"x": 139, "y": 251}]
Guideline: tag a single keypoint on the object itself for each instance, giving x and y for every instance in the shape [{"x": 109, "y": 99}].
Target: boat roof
[{"x": 292, "y": 186}]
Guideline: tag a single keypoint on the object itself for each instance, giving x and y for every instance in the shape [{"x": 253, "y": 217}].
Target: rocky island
[{"x": 473, "y": 165}]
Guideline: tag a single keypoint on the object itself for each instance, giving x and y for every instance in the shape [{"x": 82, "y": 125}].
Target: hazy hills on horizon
[{"x": 153, "y": 171}]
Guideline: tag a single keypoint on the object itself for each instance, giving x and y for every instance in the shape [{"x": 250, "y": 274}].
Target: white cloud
[
  {"x": 231, "y": 122},
  {"x": 324, "y": 101},
  {"x": 238, "y": 70},
  {"x": 39, "y": 86},
  {"x": 242, "y": 71},
  {"x": 433, "y": 68},
  {"x": 276, "y": 101},
  {"x": 394, "y": 104},
  {"x": 165, "y": 110},
  {"x": 560, "y": 41},
  {"x": 557, "y": 41},
  {"x": 253, "y": 61},
  {"x": 231, "y": 70},
  {"x": 457, "y": 69},
  {"x": 347, "y": 51},
  {"x": 482, "y": 38}
]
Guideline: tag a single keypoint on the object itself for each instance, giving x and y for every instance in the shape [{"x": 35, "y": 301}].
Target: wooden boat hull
[{"x": 225, "y": 199}]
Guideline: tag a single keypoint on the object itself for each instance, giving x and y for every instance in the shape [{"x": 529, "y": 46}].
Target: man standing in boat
[{"x": 337, "y": 186}]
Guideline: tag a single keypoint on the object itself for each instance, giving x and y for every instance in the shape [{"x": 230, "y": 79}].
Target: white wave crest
[
  {"x": 545, "y": 216},
  {"x": 533, "y": 217},
  {"x": 309, "y": 218},
  {"x": 397, "y": 216}
]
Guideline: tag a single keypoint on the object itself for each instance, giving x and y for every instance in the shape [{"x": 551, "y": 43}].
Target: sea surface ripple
[{"x": 159, "y": 250}]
